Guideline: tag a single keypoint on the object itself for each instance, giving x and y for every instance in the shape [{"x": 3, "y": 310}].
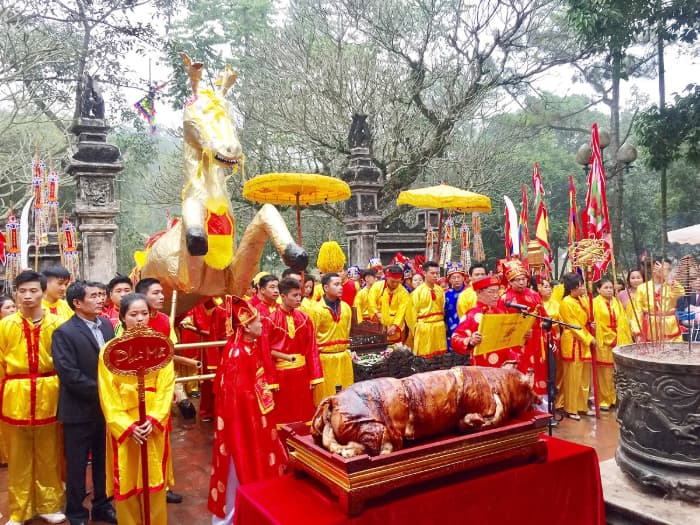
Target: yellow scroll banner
[{"x": 500, "y": 331}]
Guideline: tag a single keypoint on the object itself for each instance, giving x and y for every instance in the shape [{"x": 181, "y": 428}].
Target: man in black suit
[{"x": 76, "y": 347}]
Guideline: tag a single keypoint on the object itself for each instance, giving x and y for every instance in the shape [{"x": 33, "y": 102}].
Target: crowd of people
[{"x": 283, "y": 347}]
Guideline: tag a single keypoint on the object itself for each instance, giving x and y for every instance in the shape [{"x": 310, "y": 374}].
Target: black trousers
[{"x": 79, "y": 439}]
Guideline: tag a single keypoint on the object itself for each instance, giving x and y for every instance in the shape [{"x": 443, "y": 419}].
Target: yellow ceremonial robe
[
  {"x": 60, "y": 308},
  {"x": 575, "y": 355},
  {"x": 552, "y": 309},
  {"x": 429, "y": 333},
  {"x": 611, "y": 329},
  {"x": 393, "y": 306},
  {"x": 307, "y": 305},
  {"x": 362, "y": 306},
  {"x": 29, "y": 397},
  {"x": 466, "y": 301},
  {"x": 119, "y": 401},
  {"x": 333, "y": 337},
  {"x": 656, "y": 311}
]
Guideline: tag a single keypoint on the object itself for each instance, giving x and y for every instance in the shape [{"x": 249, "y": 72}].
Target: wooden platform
[{"x": 363, "y": 477}]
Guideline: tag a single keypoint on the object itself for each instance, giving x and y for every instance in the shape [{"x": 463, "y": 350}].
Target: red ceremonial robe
[
  {"x": 533, "y": 352},
  {"x": 245, "y": 429},
  {"x": 293, "y": 333},
  {"x": 469, "y": 325}
]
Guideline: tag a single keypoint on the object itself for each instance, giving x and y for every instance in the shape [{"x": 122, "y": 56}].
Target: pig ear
[
  {"x": 529, "y": 378},
  {"x": 510, "y": 365}
]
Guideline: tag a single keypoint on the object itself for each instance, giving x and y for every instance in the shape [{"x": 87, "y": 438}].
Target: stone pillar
[
  {"x": 362, "y": 217},
  {"x": 95, "y": 166}
]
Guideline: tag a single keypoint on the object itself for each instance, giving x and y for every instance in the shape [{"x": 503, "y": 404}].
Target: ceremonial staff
[{"x": 586, "y": 254}]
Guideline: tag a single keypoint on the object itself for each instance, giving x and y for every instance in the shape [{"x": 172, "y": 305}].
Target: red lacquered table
[{"x": 564, "y": 490}]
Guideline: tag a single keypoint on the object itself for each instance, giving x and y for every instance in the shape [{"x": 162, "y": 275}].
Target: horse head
[{"x": 207, "y": 124}]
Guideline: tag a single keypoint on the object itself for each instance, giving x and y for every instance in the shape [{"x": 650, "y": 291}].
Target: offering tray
[{"x": 362, "y": 477}]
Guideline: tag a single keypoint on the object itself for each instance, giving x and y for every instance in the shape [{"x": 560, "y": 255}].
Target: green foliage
[
  {"x": 608, "y": 26},
  {"x": 674, "y": 133}
]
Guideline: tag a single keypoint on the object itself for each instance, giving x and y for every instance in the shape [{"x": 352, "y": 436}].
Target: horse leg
[
  {"x": 267, "y": 224},
  {"x": 193, "y": 222}
]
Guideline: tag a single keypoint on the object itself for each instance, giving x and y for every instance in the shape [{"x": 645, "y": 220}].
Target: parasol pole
[
  {"x": 594, "y": 350},
  {"x": 439, "y": 233},
  {"x": 144, "y": 451},
  {"x": 298, "y": 220}
]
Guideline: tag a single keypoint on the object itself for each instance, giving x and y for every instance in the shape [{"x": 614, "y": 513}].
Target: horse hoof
[
  {"x": 196, "y": 241},
  {"x": 295, "y": 257}
]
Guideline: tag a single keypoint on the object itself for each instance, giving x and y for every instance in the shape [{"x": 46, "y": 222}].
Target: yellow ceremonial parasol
[
  {"x": 295, "y": 189},
  {"x": 445, "y": 197}
]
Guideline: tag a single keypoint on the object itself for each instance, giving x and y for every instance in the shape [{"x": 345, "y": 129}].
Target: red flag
[
  {"x": 2, "y": 248},
  {"x": 596, "y": 220},
  {"x": 574, "y": 224},
  {"x": 541, "y": 219},
  {"x": 523, "y": 227}
]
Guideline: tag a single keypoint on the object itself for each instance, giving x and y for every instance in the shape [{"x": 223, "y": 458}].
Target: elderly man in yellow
[
  {"x": 120, "y": 404},
  {"x": 655, "y": 306},
  {"x": 331, "y": 318},
  {"x": 611, "y": 329},
  {"x": 29, "y": 401},
  {"x": 467, "y": 299},
  {"x": 57, "y": 281},
  {"x": 429, "y": 332},
  {"x": 393, "y": 301}
]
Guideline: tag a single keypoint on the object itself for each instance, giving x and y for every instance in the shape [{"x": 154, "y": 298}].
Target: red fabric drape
[{"x": 564, "y": 489}]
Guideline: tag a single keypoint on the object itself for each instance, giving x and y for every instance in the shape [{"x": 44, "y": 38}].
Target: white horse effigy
[{"x": 197, "y": 256}]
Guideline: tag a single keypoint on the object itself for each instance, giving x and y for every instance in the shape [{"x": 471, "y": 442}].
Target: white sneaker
[
  {"x": 13, "y": 522},
  {"x": 54, "y": 517}
]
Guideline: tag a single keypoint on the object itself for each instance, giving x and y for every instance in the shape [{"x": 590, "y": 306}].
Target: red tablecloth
[{"x": 565, "y": 490}]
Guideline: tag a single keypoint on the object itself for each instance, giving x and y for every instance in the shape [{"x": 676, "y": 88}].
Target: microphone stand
[{"x": 547, "y": 323}]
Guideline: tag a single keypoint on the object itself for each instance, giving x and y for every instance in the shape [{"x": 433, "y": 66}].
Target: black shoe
[
  {"x": 78, "y": 522},
  {"x": 195, "y": 394},
  {"x": 107, "y": 515},
  {"x": 172, "y": 497}
]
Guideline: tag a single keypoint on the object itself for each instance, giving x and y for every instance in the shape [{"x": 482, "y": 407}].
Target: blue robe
[{"x": 451, "y": 315}]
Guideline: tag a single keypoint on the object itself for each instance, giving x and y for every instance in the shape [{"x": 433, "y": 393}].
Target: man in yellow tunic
[
  {"x": 57, "y": 281},
  {"x": 362, "y": 304},
  {"x": 655, "y": 305},
  {"x": 331, "y": 318},
  {"x": 393, "y": 302},
  {"x": 576, "y": 345},
  {"x": 429, "y": 336},
  {"x": 29, "y": 402},
  {"x": 467, "y": 299}
]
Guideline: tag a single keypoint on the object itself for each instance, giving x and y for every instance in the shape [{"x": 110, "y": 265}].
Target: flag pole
[{"x": 594, "y": 349}]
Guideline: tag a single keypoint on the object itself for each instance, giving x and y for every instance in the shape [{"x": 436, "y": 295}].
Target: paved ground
[{"x": 192, "y": 440}]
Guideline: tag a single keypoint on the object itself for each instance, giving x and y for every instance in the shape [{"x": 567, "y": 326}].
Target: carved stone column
[
  {"x": 362, "y": 217},
  {"x": 95, "y": 166}
]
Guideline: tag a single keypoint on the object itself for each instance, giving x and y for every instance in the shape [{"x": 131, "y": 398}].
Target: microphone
[{"x": 516, "y": 306}]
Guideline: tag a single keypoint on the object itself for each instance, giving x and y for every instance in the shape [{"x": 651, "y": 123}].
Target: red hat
[
  {"x": 243, "y": 312},
  {"x": 514, "y": 268},
  {"x": 485, "y": 282}
]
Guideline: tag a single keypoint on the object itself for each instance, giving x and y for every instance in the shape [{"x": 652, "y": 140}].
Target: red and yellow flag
[
  {"x": 541, "y": 219},
  {"x": 596, "y": 222}
]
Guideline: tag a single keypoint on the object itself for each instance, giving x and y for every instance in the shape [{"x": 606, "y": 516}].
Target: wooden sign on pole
[{"x": 140, "y": 351}]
